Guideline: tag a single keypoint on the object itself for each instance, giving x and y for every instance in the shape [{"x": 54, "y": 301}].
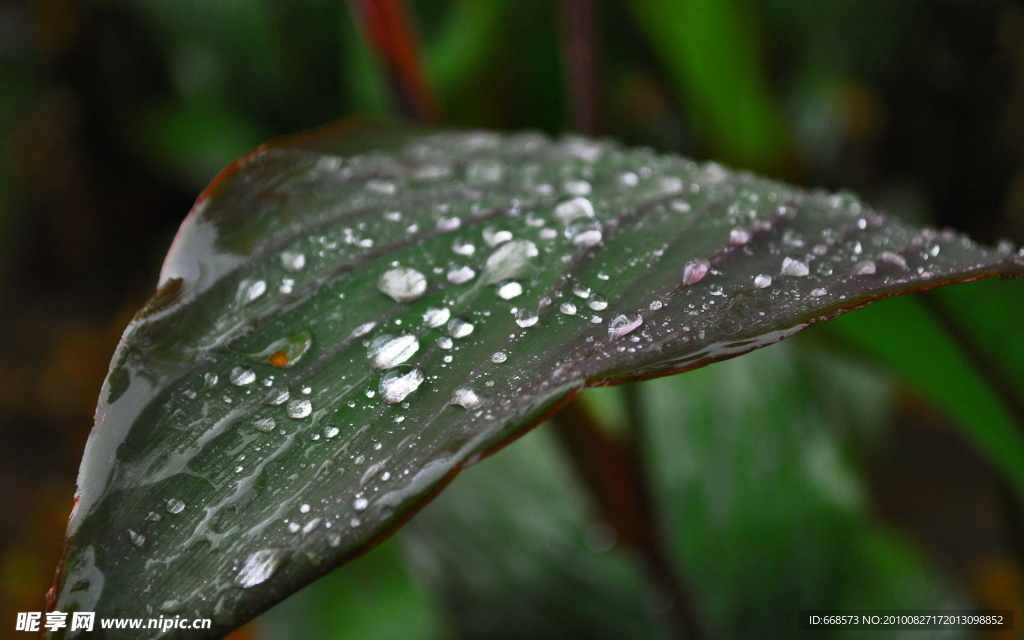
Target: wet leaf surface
[{"x": 349, "y": 317}]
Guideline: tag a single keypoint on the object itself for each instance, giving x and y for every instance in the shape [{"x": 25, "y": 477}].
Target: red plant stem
[
  {"x": 579, "y": 22},
  {"x": 389, "y": 31},
  {"x": 612, "y": 472}
]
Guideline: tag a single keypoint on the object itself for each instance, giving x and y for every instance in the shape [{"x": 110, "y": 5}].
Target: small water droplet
[
  {"x": 695, "y": 270},
  {"x": 498, "y": 357},
  {"x": 493, "y": 237},
  {"x": 402, "y": 284},
  {"x": 578, "y": 187},
  {"x": 739, "y": 237},
  {"x": 449, "y": 224},
  {"x": 445, "y": 342},
  {"x": 363, "y": 329},
  {"x": 175, "y": 506},
  {"x": 459, "y": 328},
  {"x": 395, "y": 385},
  {"x": 510, "y": 260},
  {"x": 276, "y": 396},
  {"x": 792, "y": 267},
  {"x": 463, "y": 248},
  {"x": 597, "y": 302},
  {"x": 252, "y": 291},
  {"x": 893, "y": 258},
  {"x": 210, "y": 379},
  {"x": 581, "y": 291},
  {"x": 330, "y": 432},
  {"x": 484, "y": 170},
  {"x": 266, "y": 425},
  {"x": 465, "y": 398},
  {"x": 360, "y": 504},
  {"x": 656, "y": 305},
  {"x": 621, "y": 325},
  {"x": 567, "y": 308},
  {"x": 817, "y": 293},
  {"x": 510, "y": 290},
  {"x": 299, "y": 409},
  {"x": 461, "y": 275},
  {"x": 762, "y": 280},
  {"x": 260, "y": 567},
  {"x": 388, "y": 351},
  {"x": 137, "y": 538},
  {"x": 526, "y": 318},
  {"x": 436, "y": 316},
  {"x": 864, "y": 268},
  {"x": 573, "y": 209},
  {"x": 240, "y": 376},
  {"x": 292, "y": 260},
  {"x": 585, "y": 233}
]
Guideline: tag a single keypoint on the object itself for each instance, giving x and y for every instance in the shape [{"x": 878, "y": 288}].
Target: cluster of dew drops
[{"x": 573, "y": 219}]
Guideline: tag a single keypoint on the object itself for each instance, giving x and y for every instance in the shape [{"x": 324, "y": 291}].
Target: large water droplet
[
  {"x": 388, "y": 351},
  {"x": 510, "y": 260},
  {"x": 762, "y": 280},
  {"x": 395, "y": 386},
  {"x": 792, "y": 267},
  {"x": 499, "y": 357},
  {"x": 402, "y": 284},
  {"x": 621, "y": 325},
  {"x": 567, "y": 308},
  {"x": 260, "y": 567},
  {"x": 175, "y": 506},
  {"x": 465, "y": 398},
  {"x": 360, "y": 504},
  {"x": 695, "y": 270}
]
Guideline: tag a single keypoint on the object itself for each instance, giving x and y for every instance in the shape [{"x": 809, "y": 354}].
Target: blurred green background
[{"x": 872, "y": 464}]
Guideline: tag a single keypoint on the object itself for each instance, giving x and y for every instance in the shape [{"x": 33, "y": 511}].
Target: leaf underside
[{"x": 350, "y": 316}]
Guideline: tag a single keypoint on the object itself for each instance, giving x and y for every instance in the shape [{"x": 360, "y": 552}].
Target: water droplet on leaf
[
  {"x": 388, "y": 351},
  {"x": 621, "y": 325},
  {"x": 395, "y": 386},
  {"x": 793, "y": 267}
]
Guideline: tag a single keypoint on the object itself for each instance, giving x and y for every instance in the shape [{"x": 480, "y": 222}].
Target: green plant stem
[{"x": 613, "y": 473}]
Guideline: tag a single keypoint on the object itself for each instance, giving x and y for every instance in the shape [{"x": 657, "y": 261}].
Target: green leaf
[
  {"x": 431, "y": 297},
  {"x": 906, "y": 336},
  {"x": 757, "y": 451}
]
